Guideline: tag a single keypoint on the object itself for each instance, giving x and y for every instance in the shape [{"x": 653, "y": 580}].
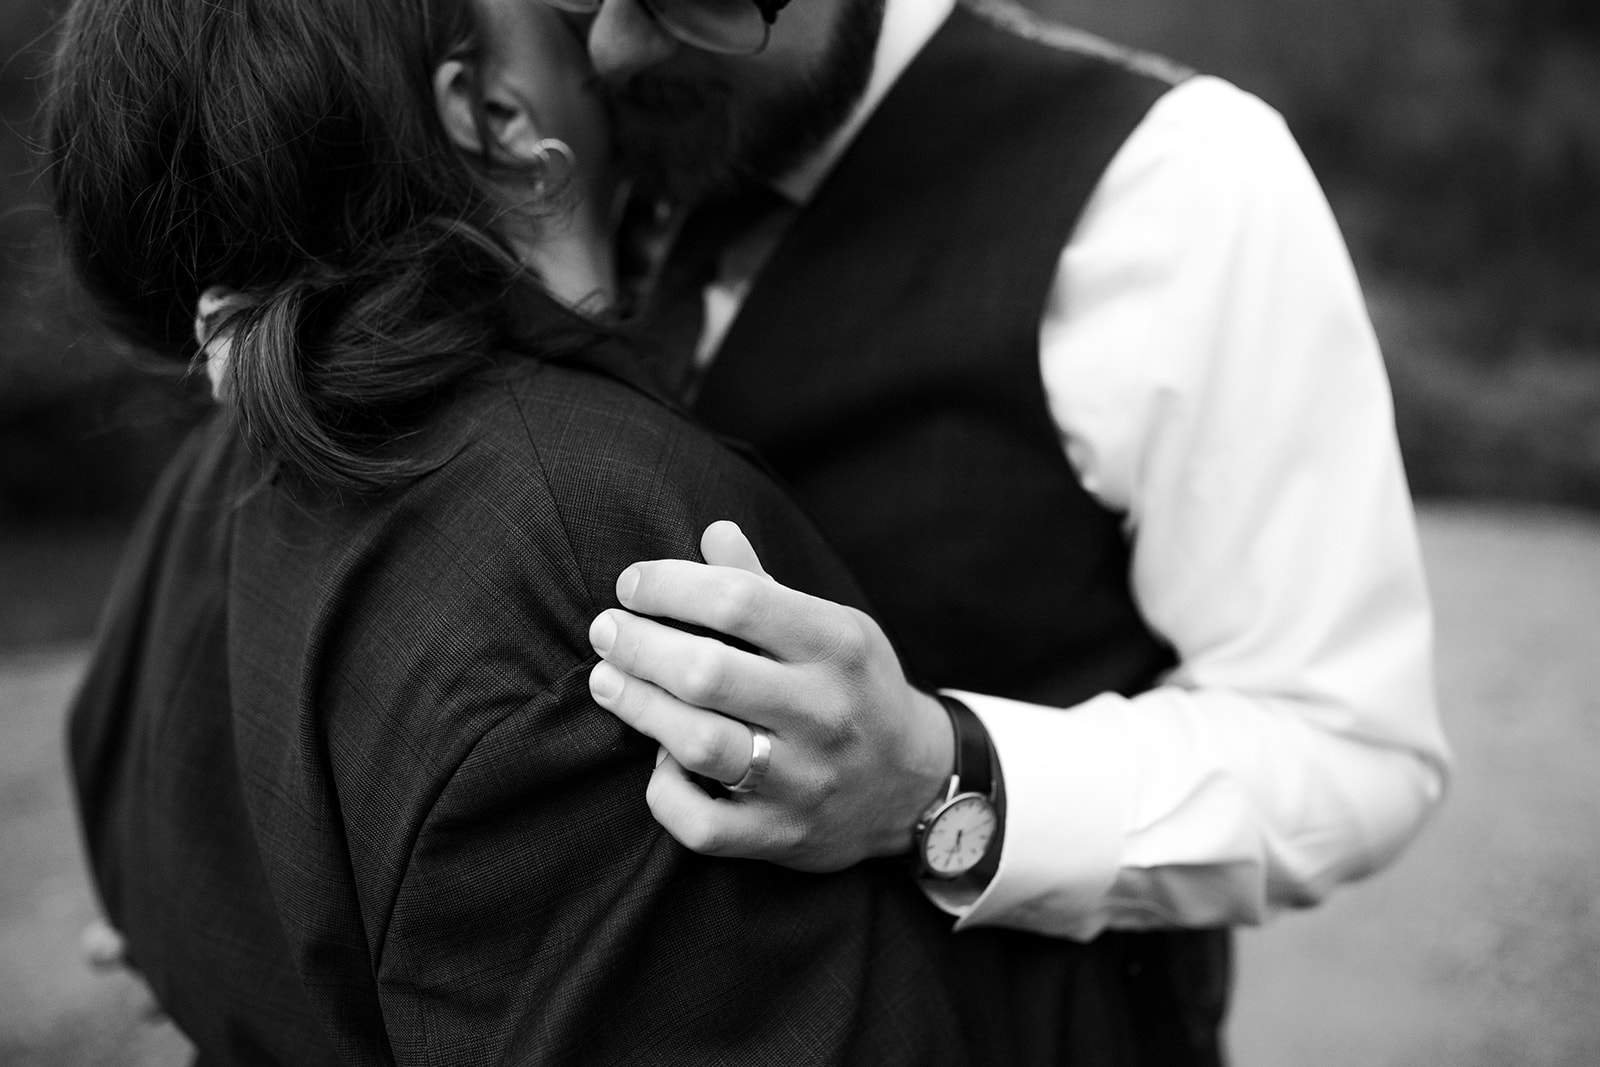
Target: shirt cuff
[{"x": 1068, "y": 777}]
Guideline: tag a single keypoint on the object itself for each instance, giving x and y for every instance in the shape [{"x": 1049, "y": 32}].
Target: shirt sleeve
[{"x": 1211, "y": 367}]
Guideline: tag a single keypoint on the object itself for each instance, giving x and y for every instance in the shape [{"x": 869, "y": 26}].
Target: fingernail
[
  {"x": 661, "y": 755},
  {"x": 602, "y": 634},
  {"x": 605, "y": 682},
  {"x": 627, "y": 582}
]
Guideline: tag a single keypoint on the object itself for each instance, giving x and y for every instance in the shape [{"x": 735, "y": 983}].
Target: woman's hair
[{"x": 289, "y": 149}]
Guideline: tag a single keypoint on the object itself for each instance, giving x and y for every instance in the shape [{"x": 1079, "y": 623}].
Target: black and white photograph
[{"x": 854, "y": 533}]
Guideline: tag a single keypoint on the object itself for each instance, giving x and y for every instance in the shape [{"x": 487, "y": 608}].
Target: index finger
[{"x": 789, "y": 625}]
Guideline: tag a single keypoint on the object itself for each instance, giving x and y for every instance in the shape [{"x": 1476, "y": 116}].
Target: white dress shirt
[{"x": 1208, "y": 358}]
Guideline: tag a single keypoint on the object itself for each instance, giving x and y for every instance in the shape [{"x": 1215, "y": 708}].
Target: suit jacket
[{"x": 344, "y": 790}]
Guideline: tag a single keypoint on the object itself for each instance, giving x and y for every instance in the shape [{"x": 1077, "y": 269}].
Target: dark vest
[{"x": 886, "y": 365}]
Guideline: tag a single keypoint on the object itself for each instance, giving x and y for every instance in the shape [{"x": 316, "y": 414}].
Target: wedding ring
[{"x": 760, "y": 760}]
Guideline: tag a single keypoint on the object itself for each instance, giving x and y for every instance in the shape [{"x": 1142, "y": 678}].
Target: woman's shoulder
[
  {"x": 629, "y": 475},
  {"x": 524, "y": 405},
  {"x": 542, "y": 480},
  {"x": 589, "y": 434},
  {"x": 604, "y": 398},
  {"x": 557, "y": 475}
]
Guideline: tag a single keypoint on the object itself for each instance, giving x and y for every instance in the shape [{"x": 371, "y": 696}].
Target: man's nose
[{"x": 625, "y": 38}]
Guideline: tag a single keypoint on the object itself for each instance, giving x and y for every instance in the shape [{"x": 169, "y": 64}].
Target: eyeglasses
[{"x": 729, "y": 27}]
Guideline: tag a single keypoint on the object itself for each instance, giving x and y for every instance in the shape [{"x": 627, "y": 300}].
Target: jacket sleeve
[{"x": 529, "y": 888}]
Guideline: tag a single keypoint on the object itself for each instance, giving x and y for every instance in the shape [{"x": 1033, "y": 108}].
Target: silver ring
[{"x": 760, "y": 760}]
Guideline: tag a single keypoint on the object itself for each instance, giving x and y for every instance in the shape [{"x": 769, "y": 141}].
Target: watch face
[{"x": 959, "y": 835}]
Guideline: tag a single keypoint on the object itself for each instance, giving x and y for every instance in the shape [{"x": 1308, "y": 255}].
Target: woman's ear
[
  {"x": 470, "y": 106},
  {"x": 455, "y": 95}
]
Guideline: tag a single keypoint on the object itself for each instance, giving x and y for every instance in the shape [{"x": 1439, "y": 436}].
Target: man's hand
[{"x": 857, "y": 753}]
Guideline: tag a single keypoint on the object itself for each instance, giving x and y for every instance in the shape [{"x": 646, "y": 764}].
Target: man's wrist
[{"x": 932, "y": 760}]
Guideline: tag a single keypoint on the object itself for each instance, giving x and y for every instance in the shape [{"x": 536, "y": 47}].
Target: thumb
[{"x": 725, "y": 545}]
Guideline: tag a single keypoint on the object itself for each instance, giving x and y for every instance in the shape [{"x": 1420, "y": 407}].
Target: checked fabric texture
[{"x": 344, "y": 791}]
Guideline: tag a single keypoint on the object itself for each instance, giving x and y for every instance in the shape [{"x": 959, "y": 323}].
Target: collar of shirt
[{"x": 907, "y": 26}]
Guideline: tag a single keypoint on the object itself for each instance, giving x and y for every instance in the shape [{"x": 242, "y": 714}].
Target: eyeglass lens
[{"x": 731, "y": 27}]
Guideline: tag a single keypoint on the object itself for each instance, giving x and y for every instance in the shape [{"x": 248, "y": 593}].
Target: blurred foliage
[
  {"x": 1458, "y": 138},
  {"x": 1459, "y": 144},
  {"x": 1458, "y": 141}
]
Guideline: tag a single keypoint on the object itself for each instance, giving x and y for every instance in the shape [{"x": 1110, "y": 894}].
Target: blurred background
[{"x": 1459, "y": 142}]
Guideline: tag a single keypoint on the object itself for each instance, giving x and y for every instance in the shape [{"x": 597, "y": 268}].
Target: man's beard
[{"x": 682, "y": 135}]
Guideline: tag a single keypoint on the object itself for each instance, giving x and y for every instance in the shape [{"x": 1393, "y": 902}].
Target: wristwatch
[{"x": 958, "y": 832}]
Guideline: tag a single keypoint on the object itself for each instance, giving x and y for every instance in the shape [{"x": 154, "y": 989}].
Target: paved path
[
  {"x": 53, "y": 1011},
  {"x": 1481, "y": 949}
]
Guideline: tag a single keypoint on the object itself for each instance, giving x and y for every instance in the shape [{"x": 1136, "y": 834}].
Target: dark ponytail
[
  {"x": 330, "y": 370},
  {"x": 289, "y": 150}
]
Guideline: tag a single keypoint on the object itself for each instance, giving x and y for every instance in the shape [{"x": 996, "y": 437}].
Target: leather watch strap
[{"x": 974, "y": 770}]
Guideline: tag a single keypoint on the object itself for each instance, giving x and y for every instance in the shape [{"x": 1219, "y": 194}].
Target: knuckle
[
  {"x": 705, "y": 748},
  {"x": 699, "y": 835},
  {"x": 853, "y": 641},
  {"x": 734, "y": 602},
  {"x": 834, "y": 714},
  {"x": 812, "y": 796},
  {"x": 825, "y": 790},
  {"x": 703, "y": 675}
]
